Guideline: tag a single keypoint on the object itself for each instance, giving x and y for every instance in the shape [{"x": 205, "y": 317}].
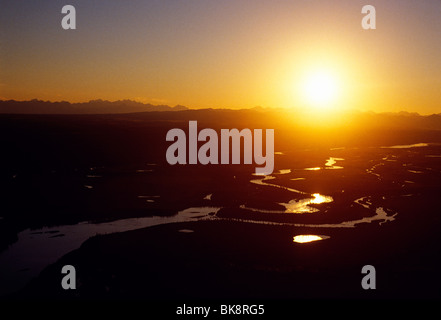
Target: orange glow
[{"x": 312, "y": 57}]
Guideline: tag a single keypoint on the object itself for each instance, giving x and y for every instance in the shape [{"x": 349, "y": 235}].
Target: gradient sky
[{"x": 222, "y": 53}]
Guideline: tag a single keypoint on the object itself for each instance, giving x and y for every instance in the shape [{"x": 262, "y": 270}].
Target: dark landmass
[
  {"x": 399, "y": 120},
  {"x": 231, "y": 260},
  {"x": 63, "y": 169}
]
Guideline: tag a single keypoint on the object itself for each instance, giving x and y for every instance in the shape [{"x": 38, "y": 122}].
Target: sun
[{"x": 320, "y": 89}]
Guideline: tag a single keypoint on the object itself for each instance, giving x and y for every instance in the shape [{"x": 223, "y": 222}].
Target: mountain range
[{"x": 92, "y": 107}]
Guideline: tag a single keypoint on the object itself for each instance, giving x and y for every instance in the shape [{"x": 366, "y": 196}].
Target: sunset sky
[{"x": 223, "y": 53}]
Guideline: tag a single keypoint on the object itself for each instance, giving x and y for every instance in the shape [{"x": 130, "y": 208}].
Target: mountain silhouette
[{"x": 92, "y": 107}]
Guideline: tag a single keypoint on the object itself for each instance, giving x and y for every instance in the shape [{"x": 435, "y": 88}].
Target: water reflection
[
  {"x": 36, "y": 249},
  {"x": 148, "y": 198},
  {"x": 302, "y": 206},
  {"x": 265, "y": 178},
  {"x": 296, "y": 206},
  {"x": 293, "y": 206},
  {"x": 329, "y": 164},
  {"x": 302, "y": 238},
  {"x": 331, "y": 161},
  {"x": 405, "y": 146},
  {"x": 318, "y": 198},
  {"x": 415, "y": 171}
]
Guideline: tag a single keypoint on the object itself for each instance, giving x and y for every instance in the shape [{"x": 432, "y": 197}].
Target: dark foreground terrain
[{"x": 59, "y": 170}]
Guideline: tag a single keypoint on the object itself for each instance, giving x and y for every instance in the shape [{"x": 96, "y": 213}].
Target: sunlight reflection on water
[
  {"x": 331, "y": 161},
  {"x": 406, "y": 146},
  {"x": 301, "y": 206},
  {"x": 293, "y": 206},
  {"x": 302, "y": 238}
]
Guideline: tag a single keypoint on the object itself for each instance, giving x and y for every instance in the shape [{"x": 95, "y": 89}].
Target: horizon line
[{"x": 257, "y": 107}]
